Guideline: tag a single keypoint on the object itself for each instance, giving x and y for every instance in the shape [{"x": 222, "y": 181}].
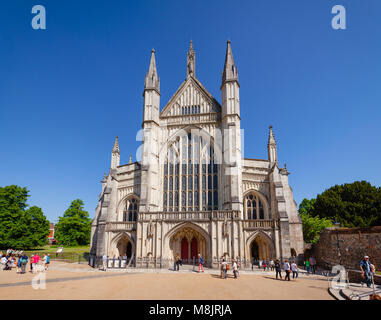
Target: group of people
[
  {"x": 10, "y": 260},
  {"x": 310, "y": 265},
  {"x": 225, "y": 267}
]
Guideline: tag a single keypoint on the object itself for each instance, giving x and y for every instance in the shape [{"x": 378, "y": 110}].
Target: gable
[{"x": 191, "y": 99}]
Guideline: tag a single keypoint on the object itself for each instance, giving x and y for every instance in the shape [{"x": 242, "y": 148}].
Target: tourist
[
  {"x": 3, "y": 262},
  {"x": 104, "y": 262},
  {"x": 224, "y": 268},
  {"x": 47, "y": 261},
  {"x": 294, "y": 269},
  {"x": 312, "y": 262},
  {"x": 24, "y": 261},
  {"x": 200, "y": 263},
  {"x": 235, "y": 268},
  {"x": 272, "y": 265},
  {"x": 264, "y": 265},
  {"x": 18, "y": 269},
  {"x": 286, "y": 267},
  {"x": 176, "y": 263},
  {"x": 44, "y": 261},
  {"x": 307, "y": 264},
  {"x": 36, "y": 261},
  {"x": 260, "y": 264},
  {"x": 278, "y": 269},
  {"x": 252, "y": 263},
  {"x": 31, "y": 262},
  {"x": 366, "y": 271}
]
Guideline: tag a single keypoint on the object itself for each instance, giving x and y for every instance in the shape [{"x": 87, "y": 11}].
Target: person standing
[
  {"x": 31, "y": 262},
  {"x": 224, "y": 268},
  {"x": 286, "y": 268},
  {"x": 200, "y": 263},
  {"x": 366, "y": 271},
  {"x": 104, "y": 262},
  {"x": 252, "y": 263},
  {"x": 235, "y": 268},
  {"x": 260, "y": 264},
  {"x": 44, "y": 261},
  {"x": 312, "y": 261},
  {"x": 278, "y": 269},
  {"x": 47, "y": 261},
  {"x": 294, "y": 269},
  {"x": 18, "y": 269},
  {"x": 36, "y": 261},
  {"x": 177, "y": 263},
  {"x": 24, "y": 261},
  {"x": 307, "y": 263},
  {"x": 271, "y": 264},
  {"x": 3, "y": 262},
  {"x": 264, "y": 265}
]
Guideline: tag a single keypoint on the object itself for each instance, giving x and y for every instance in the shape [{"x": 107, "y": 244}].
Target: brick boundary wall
[{"x": 354, "y": 243}]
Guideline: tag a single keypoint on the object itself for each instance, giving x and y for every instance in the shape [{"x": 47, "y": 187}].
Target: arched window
[
  {"x": 130, "y": 212},
  {"x": 254, "y": 208},
  {"x": 195, "y": 179}
]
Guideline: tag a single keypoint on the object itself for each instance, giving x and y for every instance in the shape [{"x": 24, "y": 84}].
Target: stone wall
[{"x": 354, "y": 243}]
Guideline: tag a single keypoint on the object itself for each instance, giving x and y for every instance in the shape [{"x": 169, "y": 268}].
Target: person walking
[
  {"x": 104, "y": 262},
  {"x": 31, "y": 262},
  {"x": 366, "y": 271},
  {"x": 294, "y": 269},
  {"x": 44, "y": 262},
  {"x": 278, "y": 269},
  {"x": 307, "y": 264},
  {"x": 271, "y": 264},
  {"x": 47, "y": 261},
  {"x": 286, "y": 267},
  {"x": 18, "y": 268},
  {"x": 36, "y": 261},
  {"x": 200, "y": 263},
  {"x": 312, "y": 262},
  {"x": 24, "y": 261},
  {"x": 224, "y": 268},
  {"x": 235, "y": 268}
]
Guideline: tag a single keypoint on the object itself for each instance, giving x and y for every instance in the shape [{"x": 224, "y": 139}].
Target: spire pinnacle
[
  {"x": 191, "y": 61},
  {"x": 271, "y": 136},
  {"x": 115, "y": 149},
  {"x": 230, "y": 70},
  {"x": 152, "y": 81},
  {"x": 130, "y": 160}
]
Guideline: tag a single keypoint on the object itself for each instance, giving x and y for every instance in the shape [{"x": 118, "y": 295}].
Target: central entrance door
[
  {"x": 184, "y": 249},
  {"x": 254, "y": 251}
]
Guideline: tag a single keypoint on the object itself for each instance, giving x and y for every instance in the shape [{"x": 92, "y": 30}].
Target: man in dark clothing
[{"x": 278, "y": 269}]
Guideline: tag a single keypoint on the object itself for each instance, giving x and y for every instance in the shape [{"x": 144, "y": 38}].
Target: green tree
[
  {"x": 312, "y": 226},
  {"x": 356, "y": 204},
  {"x": 74, "y": 228},
  {"x": 307, "y": 206},
  {"x": 20, "y": 228}
]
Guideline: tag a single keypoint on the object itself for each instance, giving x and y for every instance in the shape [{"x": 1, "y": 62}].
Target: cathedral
[{"x": 193, "y": 192}]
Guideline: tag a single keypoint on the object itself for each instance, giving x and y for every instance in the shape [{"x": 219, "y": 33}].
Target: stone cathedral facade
[{"x": 193, "y": 191}]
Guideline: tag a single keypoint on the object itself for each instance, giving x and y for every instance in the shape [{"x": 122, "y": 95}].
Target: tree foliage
[
  {"x": 20, "y": 228},
  {"x": 74, "y": 228},
  {"x": 356, "y": 204},
  {"x": 312, "y": 226}
]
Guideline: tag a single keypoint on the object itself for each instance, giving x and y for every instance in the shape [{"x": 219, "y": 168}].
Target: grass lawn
[{"x": 69, "y": 253}]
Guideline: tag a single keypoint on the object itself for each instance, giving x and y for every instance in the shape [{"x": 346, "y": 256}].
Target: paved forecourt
[{"x": 74, "y": 281}]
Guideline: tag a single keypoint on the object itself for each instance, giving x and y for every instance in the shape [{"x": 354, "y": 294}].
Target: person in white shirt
[
  {"x": 294, "y": 269},
  {"x": 235, "y": 268},
  {"x": 104, "y": 262},
  {"x": 272, "y": 264},
  {"x": 260, "y": 264},
  {"x": 286, "y": 267},
  {"x": 3, "y": 262}
]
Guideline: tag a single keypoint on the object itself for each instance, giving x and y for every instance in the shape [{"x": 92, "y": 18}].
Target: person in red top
[{"x": 36, "y": 258}]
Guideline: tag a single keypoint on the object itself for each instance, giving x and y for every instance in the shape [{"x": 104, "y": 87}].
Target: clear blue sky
[{"x": 67, "y": 91}]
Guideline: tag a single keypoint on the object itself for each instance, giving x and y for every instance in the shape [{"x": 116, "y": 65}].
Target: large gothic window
[
  {"x": 253, "y": 207},
  {"x": 194, "y": 183},
  {"x": 130, "y": 212}
]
